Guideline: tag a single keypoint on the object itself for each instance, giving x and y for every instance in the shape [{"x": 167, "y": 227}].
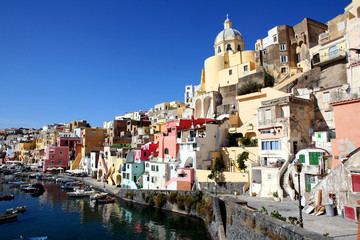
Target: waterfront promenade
[{"x": 336, "y": 227}]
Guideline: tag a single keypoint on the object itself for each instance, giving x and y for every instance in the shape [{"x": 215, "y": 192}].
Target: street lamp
[{"x": 298, "y": 167}]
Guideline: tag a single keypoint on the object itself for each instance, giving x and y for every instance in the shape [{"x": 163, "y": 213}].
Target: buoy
[{"x": 41, "y": 204}]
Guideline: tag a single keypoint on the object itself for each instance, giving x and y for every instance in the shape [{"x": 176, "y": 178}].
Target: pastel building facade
[
  {"x": 183, "y": 181},
  {"x": 56, "y": 157}
]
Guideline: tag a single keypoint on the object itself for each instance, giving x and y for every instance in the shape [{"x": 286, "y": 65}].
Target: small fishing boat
[
  {"x": 106, "y": 200},
  {"x": 21, "y": 209},
  {"x": 98, "y": 195},
  {"x": 7, "y": 197},
  {"x": 8, "y": 217},
  {"x": 81, "y": 193}
]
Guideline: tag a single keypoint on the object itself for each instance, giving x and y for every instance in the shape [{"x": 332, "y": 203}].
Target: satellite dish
[{"x": 310, "y": 131}]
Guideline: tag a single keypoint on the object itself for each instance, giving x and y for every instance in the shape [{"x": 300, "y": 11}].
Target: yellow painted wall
[
  {"x": 202, "y": 176},
  {"x": 248, "y": 105},
  {"x": 235, "y": 152},
  {"x": 93, "y": 140},
  {"x": 212, "y": 66}
]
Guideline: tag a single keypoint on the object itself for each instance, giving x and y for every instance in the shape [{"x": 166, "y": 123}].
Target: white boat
[
  {"x": 81, "y": 193},
  {"x": 98, "y": 195}
]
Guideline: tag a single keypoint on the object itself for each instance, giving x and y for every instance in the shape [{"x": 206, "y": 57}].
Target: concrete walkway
[{"x": 337, "y": 227}]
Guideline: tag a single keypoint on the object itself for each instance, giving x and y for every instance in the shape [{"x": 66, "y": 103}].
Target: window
[
  {"x": 52, "y": 156},
  {"x": 265, "y": 131},
  {"x": 341, "y": 26},
  {"x": 298, "y": 58},
  {"x": 282, "y": 47},
  {"x": 166, "y": 151},
  {"x": 355, "y": 180},
  {"x": 239, "y": 47},
  {"x": 284, "y": 112},
  {"x": 326, "y": 97},
  {"x": 283, "y": 59},
  {"x": 259, "y": 116},
  {"x": 157, "y": 168},
  {"x": 128, "y": 166},
  {"x": 219, "y": 49},
  {"x": 302, "y": 158},
  {"x": 328, "y": 116},
  {"x": 333, "y": 52},
  {"x": 314, "y": 158},
  {"x": 52, "y": 161},
  {"x": 60, "y": 161},
  {"x": 275, "y": 38},
  {"x": 228, "y": 47},
  {"x": 230, "y": 72},
  {"x": 268, "y": 115},
  {"x": 270, "y": 145},
  {"x": 269, "y": 176},
  {"x": 152, "y": 168},
  {"x": 283, "y": 70},
  {"x": 144, "y": 154},
  {"x": 264, "y": 52},
  {"x": 245, "y": 68}
]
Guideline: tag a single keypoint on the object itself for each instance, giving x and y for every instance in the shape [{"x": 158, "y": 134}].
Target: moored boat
[
  {"x": 98, "y": 195},
  {"x": 8, "y": 217},
  {"x": 7, "y": 197},
  {"x": 106, "y": 200},
  {"x": 21, "y": 209},
  {"x": 81, "y": 193}
]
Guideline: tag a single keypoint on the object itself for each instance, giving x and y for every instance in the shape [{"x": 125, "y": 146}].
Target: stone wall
[{"x": 223, "y": 187}]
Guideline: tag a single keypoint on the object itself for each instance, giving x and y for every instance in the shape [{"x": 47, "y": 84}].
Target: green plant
[
  {"x": 276, "y": 214},
  {"x": 160, "y": 200},
  {"x": 294, "y": 220},
  {"x": 263, "y": 210},
  {"x": 269, "y": 80},
  {"x": 150, "y": 199},
  {"x": 249, "y": 87},
  {"x": 276, "y": 194},
  {"x": 233, "y": 139},
  {"x": 244, "y": 156},
  {"x": 172, "y": 197},
  {"x": 217, "y": 172},
  {"x": 180, "y": 202},
  {"x": 189, "y": 201}
]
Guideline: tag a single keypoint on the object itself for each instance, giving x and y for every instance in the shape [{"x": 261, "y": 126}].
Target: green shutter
[
  {"x": 302, "y": 158},
  {"x": 314, "y": 158}
]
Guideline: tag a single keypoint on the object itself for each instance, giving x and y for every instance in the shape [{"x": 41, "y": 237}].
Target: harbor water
[{"x": 55, "y": 215}]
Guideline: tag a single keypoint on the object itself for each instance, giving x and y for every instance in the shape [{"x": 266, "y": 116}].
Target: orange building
[{"x": 347, "y": 121}]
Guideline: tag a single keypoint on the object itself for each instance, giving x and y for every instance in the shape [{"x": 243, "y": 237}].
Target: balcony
[{"x": 328, "y": 57}]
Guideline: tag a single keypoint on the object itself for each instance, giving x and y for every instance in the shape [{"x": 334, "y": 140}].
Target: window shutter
[
  {"x": 302, "y": 158},
  {"x": 355, "y": 180}
]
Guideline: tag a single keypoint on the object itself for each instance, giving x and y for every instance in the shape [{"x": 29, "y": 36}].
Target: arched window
[
  {"x": 228, "y": 47},
  {"x": 219, "y": 49},
  {"x": 333, "y": 51},
  {"x": 166, "y": 151},
  {"x": 239, "y": 47}
]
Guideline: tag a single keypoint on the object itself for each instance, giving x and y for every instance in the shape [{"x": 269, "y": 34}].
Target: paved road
[{"x": 339, "y": 228}]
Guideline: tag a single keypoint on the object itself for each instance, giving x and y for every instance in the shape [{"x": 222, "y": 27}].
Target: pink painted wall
[
  {"x": 347, "y": 122},
  {"x": 55, "y": 153},
  {"x": 144, "y": 153},
  {"x": 168, "y": 138},
  {"x": 188, "y": 174}
]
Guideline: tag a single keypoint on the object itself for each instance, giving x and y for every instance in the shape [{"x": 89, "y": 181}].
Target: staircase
[
  {"x": 287, "y": 190},
  {"x": 77, "y": 162}
]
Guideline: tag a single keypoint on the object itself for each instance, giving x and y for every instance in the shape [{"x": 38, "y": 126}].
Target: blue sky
[{"x": 68, "y": 60}]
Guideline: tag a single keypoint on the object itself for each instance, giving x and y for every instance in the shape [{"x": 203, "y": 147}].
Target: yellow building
[
  {"x": 25, "y": 148},
  {"x": 248, "y": 104},
  {"x": 230, "y": 61},
  {"x": 93, "y": 140}
]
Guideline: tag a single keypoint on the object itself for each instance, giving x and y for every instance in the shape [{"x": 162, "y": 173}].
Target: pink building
[
  {"x": 183, "y": 180},
  {"x": 56, "y": 157},
  {"x": 68, "y": 141},
  {"x": 347, "y": 121},
  {"x": 145, "y": 151},
  {"x": 168, "y": 146}
]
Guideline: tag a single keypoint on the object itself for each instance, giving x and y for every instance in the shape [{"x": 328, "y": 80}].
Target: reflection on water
[{"x": 59, "y": 217}]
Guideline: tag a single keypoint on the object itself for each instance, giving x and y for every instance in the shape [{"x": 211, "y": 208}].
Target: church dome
[{"x": 228, "y": 33}]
